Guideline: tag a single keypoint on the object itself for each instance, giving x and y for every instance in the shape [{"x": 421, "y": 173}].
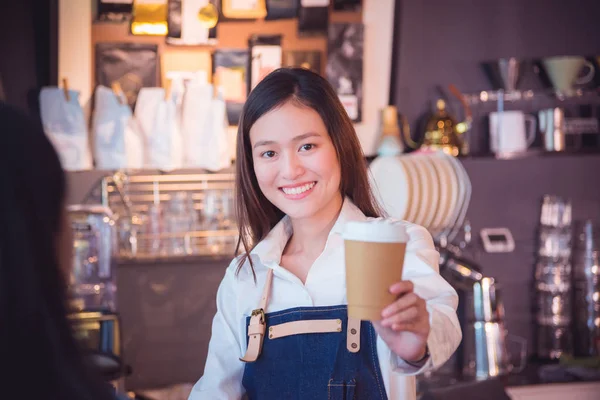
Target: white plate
[
  {"x": 445, "y": 193},
  {"x": 414, "y": 190},
  {"x": 389, "y": 182},
  {"x": 422, "y": 185},
  {"x": 453, "y": 186},
  {"x": 464, "y": 196},
  {"x": 456, "y": 212},
  {"x": 429, "y": 204}
]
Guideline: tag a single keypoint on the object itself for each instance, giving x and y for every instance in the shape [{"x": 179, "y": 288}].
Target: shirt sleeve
[
  {"x": 223, "y": 371},
  {"x": 421, "y": 266}
]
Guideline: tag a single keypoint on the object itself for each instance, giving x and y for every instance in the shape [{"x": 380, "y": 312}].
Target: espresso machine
[
  {"x": 92, "y": 291},
  {"x": 484, "y": 351}
]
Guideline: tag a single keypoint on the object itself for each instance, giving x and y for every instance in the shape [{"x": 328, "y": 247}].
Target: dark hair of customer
[{"x": 40, "y": 356}]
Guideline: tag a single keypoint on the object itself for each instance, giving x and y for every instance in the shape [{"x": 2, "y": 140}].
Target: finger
[
  {"x": 405, "y": 301},
  {"x": 407, "y": 315},
  {"x": 402, "y": 287},
  {"x": 403, "y": 327},
  {"x": 416, "y": 326}
]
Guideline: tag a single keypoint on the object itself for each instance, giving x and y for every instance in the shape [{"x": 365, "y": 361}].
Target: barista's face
[{"x": 295, "y": 162}]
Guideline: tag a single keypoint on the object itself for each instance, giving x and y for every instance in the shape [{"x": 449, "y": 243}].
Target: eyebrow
[{"x": 295, "y": 139}]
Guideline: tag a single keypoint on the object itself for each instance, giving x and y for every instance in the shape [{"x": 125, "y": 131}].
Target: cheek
[
  {"x": 337, "y": 173},
  {"x": 329, "y": 165},
  {"x": 265, "y": 174}
]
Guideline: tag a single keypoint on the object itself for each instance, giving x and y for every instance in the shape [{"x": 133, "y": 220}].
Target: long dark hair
[
  {"x": 37, "y": 347},
  {"x": 256, "y": 215}
]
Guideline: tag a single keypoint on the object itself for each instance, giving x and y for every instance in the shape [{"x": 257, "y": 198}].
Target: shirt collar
[{"x": 270, "y": 249}]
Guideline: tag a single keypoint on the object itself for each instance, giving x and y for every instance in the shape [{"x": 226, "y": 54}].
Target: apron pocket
[{"x": 341, "y": 390}]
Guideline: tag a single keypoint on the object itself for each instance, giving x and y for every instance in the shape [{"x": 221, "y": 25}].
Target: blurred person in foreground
[{"x": 41, "y": 357}]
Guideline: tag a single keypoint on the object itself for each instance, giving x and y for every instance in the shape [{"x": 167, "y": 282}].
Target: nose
[{"x": 292, "y": 168}]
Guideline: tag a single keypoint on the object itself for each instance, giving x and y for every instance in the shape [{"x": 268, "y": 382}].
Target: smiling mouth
[{"x": 298, "y": 189}]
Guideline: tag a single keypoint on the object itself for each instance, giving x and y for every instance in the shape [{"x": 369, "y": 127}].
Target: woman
[
  {"x": 36, "y": 345},
  {"x": 300, "y": 176}
]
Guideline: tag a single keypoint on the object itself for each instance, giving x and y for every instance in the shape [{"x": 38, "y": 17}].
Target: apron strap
[
  {"x": 256, "y": 327},
  {"x": 353, "y": 335},
  {"x": 348, "y": 362}
]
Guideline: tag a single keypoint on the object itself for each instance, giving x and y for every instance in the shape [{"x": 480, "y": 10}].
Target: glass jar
[{"x": 91, "y": 281}]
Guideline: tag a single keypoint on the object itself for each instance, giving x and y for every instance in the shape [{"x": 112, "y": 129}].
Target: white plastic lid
[{"x": 383, "y": 230}]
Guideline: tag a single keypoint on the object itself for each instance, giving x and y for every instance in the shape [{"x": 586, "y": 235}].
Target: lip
[{"x": 298, "y": 196}]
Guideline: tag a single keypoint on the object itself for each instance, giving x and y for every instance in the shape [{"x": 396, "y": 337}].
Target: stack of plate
[{"x": 428, "y": 189}]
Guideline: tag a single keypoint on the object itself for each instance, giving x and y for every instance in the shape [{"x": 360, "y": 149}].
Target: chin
[
  {"x": 293, "y": 210},
  {"x": 299, "y": 211}
]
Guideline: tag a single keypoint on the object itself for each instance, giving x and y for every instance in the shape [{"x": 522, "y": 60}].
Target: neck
[{"x": 310, "y": 234}]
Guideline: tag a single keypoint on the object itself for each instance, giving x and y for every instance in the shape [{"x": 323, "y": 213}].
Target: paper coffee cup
[{"x": 374, "y": 255}]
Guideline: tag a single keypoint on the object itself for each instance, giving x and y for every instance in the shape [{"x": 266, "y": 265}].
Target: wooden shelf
[
  {"x": 230, "y": 34},
  {"x": 199, "y": 259},
  {"x": 535, "y": 153},
  {"x": 580, "y": 96}
]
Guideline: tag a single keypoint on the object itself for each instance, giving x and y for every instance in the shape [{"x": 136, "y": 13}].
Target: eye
[
  {"x": 307, "y": 147},
  {"x": 268, "y": 154}
]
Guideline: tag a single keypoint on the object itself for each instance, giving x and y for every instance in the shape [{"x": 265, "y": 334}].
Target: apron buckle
[
  {"x": 259, "y": 312},
  {"x": 256, "y": 332}
]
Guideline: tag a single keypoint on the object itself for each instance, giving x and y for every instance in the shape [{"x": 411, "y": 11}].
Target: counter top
[
  {"x": 199, "y": 259},
  {"x": 536, "y": 381}
]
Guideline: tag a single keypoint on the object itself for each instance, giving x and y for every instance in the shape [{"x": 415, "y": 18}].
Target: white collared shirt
[{"x": 325, "y": 285}]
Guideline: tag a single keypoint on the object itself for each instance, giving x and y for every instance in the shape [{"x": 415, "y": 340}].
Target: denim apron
[{"x": 310, "y": 353}]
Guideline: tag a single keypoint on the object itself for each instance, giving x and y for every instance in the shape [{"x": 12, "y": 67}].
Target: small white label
[
  {"x": 315, "y": 3},
  {"x": 350, "y": 103},
  {"x": 244, "y": 5},
  {"x": 140, "y": 2},
  {"x": 265, "y": 59},
  {"x": 193, "y": 30},
  {"x": 497, "y": 240},
  {"x": 577, "y": 126},
  {"x": 116, "y": 1}
]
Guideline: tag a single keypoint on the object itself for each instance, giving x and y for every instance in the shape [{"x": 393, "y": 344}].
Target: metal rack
[
  {"x": 543, "y": 97},
  {"x": 171, "y": 215}
]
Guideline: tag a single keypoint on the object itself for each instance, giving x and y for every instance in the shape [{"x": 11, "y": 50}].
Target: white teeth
[{"x": 298, "y": 190}]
